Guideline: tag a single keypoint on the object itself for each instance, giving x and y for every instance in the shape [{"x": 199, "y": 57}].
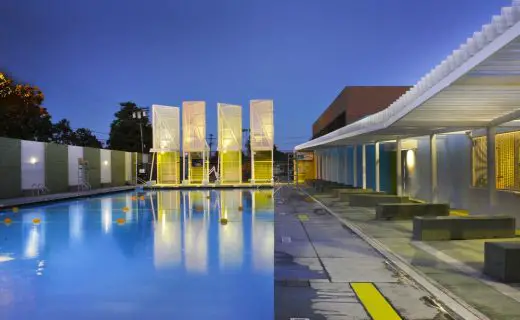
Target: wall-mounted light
[
  {"x": 410, "y": 160},
  {"x": 105, "y": 163},
  {"x": 33, "y": 160}
]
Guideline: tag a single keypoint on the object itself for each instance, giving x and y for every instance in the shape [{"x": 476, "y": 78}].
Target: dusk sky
[{"x": 87, "y": 56}]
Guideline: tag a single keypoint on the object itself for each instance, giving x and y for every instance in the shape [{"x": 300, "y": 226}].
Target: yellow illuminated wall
[
  {"x": 262, "y": 166},
  {"x": 507, "y": 161},
  {"x": 168, "y": 167},
  {"x": 305, "y": 166}
]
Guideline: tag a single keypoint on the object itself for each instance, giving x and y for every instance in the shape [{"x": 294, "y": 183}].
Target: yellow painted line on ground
[
  {"x": 374, "y": 302},
  {"x": 303, "y": 217}
]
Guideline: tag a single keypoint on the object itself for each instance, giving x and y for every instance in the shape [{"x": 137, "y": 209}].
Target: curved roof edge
[{"x": 499, "y": 32}]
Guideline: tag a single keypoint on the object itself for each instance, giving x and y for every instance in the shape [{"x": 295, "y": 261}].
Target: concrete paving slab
[
  {"x": 299, "y": 269},
  {"x": 318, "y": 301},
  {"x": 368, "y": 270}
]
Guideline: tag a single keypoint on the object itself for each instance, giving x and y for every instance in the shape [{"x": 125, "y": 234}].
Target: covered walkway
[{"x": 438, "y": 133}]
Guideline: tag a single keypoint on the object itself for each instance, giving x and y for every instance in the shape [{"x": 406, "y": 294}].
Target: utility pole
[
  {"x": 139, "y": 115},
  {"x": 210, "y": 143}
]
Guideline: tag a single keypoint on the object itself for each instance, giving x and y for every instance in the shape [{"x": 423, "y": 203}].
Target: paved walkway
[
  {"x": 6, "y": 203},
  {"x": 324, "y": 271},
  {"x": 453, "y": 265}
]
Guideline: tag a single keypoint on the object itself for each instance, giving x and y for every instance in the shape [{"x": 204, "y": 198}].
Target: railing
[
  {"x": 39, "y": 189},
  {"x": 84, "y": 186}
]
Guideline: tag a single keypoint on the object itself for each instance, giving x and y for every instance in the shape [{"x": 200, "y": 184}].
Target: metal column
[
  {"x": 354, "y": 166},
  {"x": 399, "y": 173},
  {"x": 491, "y": 170},
  {"x": 364, "y": 165},
  {"x": 378, "y": 182},
  {"x": 433, "y": 168}
]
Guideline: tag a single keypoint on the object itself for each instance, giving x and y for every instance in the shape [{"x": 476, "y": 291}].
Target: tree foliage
[
  {"x": 62, "y": 133},
  {"x": 22, "y": 115},
  {"x": 124, "y": 131}
]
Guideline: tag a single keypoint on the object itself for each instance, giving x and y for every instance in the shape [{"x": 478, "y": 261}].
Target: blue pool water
[{"x": 170, "y": 257}]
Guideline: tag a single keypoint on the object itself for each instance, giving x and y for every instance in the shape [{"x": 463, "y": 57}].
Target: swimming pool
[{"x": 161, "y": 255}]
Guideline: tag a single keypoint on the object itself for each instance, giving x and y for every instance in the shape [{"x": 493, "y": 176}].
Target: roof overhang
[{"x": 477, "y": 86}]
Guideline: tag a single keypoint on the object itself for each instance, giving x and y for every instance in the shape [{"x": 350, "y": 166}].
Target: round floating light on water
[
  {"x": 240, "y": 208},
  {"x": 199, "y": 208},
  {"x": 223, "y": 221},
  {"x": 15, "y": 209},
  {"x": 120, "y": 221},
  {"x": 126, "y": 209},
  {"x": 410, "y": 160},
  {"x": 269, "y": 196},
  {"x": 8, "y": 221},
  {"x": 208, "y": 197},
  {"x": 134, "y": 198},
  {"x": 36, "y": 221},
  {"x": 141, "y": 198}
]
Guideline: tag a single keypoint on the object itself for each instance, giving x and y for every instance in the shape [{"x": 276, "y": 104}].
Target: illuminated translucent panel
[
  {"x": 230, "y": 143},
  {"x": 262, "y": 169},
  {"x": 166, "y": 128},
  {"x": 194, "y": 126},
  {"x": 305, "y": 166},
  {"x": 262, "y": 125},
  {"x": 229, "y": 127}
]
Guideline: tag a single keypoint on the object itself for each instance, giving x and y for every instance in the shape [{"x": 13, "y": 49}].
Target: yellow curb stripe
[
  {"x": 303, "y": 217},
  {"x": 459, "y": 213},
  {"x": 376, "y": 305}
]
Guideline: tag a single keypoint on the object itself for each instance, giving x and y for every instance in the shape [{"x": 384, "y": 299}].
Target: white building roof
[{"x": 478, "y": 85}]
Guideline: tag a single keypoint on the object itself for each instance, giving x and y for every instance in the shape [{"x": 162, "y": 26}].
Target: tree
[
  {"x": 62, "y": 133},
  {"x": 125, "y": 133},
  {"x": 85, "y": 138},
  {"x": 21, "y": 113}
]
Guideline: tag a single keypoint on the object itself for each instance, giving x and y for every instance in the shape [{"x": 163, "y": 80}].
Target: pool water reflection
[{"x": 170, "y": 259}]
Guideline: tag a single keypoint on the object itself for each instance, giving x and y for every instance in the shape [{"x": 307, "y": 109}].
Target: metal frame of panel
[
  {"x": 262, "y": 140},
  {"x": 230, "y": 143},
  {"x": 194, "y": 144},
  {"x": 166, "y": 143}
]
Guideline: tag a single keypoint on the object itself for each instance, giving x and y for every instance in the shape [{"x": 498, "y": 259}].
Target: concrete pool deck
[
  {"x": 319, "y": 265},
  {"x": 455, "y": 267},
  {"x": 44, "y": 198}
]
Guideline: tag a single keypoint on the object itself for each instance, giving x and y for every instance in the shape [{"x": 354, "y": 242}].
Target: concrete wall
[
  {"x": 74, "y": 153},
  {"x": 93, "y": 156},
  {"x": 105, "y": 165},
  {"x": 118, "y": 168},
  {"x": 32, "y": 164},
  {"x": 453, "y": 173},
  {"x": 10, "y": 168},
  {"x": 26, "y": 164},
  {"x": 56, "y": 167}
]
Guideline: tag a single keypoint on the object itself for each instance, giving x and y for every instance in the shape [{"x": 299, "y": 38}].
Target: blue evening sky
[{"x": 87, "y": 56}]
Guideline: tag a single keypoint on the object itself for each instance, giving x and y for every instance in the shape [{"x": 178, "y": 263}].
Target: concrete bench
[
  {"x": 406, "y": 211},
  {"x": 463, "y": 228},
  {"x": 373, "y": 199},
  {"x": 345, "y": 196},
  {"x": 502, "y": 260},
  {"x": 348, "y": 189}
]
